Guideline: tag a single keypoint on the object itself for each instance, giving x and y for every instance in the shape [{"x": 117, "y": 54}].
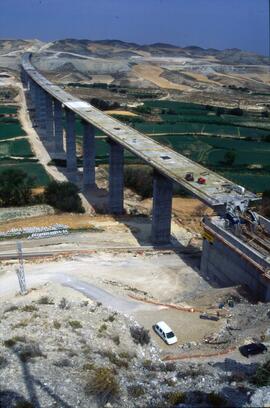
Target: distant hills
[{"x": 109, "y": 48}]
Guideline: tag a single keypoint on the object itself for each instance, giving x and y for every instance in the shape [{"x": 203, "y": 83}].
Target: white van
[{"x": 165, "y": 332}]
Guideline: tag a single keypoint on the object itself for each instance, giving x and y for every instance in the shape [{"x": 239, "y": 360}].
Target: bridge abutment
[
  {"x": 162, "y": 209},
  {"x": 116, "y": 178},
  {"x": 89, "y": 155}
]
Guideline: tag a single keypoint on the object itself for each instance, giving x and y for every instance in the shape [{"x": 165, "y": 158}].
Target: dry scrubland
[{"x": 58, "y": 348}]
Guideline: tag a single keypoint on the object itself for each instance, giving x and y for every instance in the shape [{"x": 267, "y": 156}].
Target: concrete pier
[
  {"x": 49, "y": 118},
  {"x": 89, "y": 155},
  {"x": 32, "y": 90},
  {"x": 41, "y": 108},
  {"x": 116, "y": 178},
  {"x": 162, "y": 209},
  {"x": 58, "y": 126},
  {"x": 71, "y": 145}
]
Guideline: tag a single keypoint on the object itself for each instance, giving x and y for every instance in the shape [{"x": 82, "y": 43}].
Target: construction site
[{"x": 200, "y": 264}]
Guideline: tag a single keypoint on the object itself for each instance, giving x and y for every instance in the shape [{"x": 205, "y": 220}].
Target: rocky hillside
[{"x": 60, "y": 353}]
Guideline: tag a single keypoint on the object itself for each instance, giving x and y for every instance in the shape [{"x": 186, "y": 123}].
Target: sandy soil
[
  {"x": 199, "y": 77},
  {"x": 40, "y": 151},
  {"x": 74, "y": 221},
  {"x": 120, "y": 112},
  {"x": 188, "y": 211},
  {"x": 152, "y": 73},
  {"x": 111, "y": 278}
]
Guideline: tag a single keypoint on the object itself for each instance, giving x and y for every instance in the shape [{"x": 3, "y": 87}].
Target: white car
[{"x": 165, "y": 332}]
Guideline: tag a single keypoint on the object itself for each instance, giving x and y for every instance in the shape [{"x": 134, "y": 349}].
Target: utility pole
[{"x": 20, "y": 270}]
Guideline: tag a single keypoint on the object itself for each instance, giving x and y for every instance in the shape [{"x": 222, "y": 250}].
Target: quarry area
[{"x": 82, "y": 335}]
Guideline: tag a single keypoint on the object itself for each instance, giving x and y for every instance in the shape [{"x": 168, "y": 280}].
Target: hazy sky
[{"x": 207, "y": 23}]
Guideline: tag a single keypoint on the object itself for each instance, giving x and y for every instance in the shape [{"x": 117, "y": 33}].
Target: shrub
[
  {"x": 45, "y": 300},
  {"x": 75, "y": 324},
  {"x": 149, "y": 365},
  {"x": 29, "y": 308},
  {"x": 262, "y": 376},
  {"x": 22, "y": 323},
  {"x": 216, "y": 400},
  {"x": 15, "y": 188},
  {"x": 64, "y": 304},
  {"x": 24, "y": 404},
  {"x": 175, "y": 398},
  {"x": 64, "y": 362},
  {"x": 63, "y": 196},
  {"x": 140, "y": 179},
  {"x": 102, "y": 328},
  {"x": 166, "y": 367},
  {"x": 29, "y": 351},
  {"x": 111, "y": 318},
  {"x": 236, "y": 111},
  {"x": 56, "y": 324},
  {"x": 127, "y": 355},
  {"x": 11, "y": 308},
  {"x": 103, "y": 385},
  {"x": 89, "y": 366},
  {"x": 136, "y": 391},
  {"x": 116, "y": 340},
  {"x": 114, "y": 359},
  {"x": 229, "y": 157},
  {"x": 3, "y": 362},
  {"x": 140, "y": 335},
  {"x": 10, "y": 343}
]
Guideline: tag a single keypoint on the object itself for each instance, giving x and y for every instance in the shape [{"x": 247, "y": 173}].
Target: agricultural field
[
  {"x": 205, "y": 134},
  {"x": 15, "y": 149}
]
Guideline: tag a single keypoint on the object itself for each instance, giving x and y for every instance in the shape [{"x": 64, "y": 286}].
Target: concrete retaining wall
[{"x": 223, "y": 262}]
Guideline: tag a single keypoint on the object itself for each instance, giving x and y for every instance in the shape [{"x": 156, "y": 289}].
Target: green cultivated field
[
  {"x": 31, "y": 167},
  {"x": 20, "y": 147},
  {"x": 10, "y": 128},
  {"x": 4, "y": 110},
  {"x": 205, "y": 135}
]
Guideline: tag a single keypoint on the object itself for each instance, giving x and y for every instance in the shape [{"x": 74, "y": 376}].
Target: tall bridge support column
[
  {"x": 89, "y": 154},
  {"x": 25, "y": 79},
  {"x": 71, "y": 145},
  {"x": 58, "y": 126},
  {"x": 32, "y": 90},
  {"x": 116, "y": 178},
  {"x": 49, "y": 117},
  {"x": 162, "y": 209},
  {"x": 41, "y": 109}
]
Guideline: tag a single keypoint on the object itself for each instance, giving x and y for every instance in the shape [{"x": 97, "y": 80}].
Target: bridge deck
[{"x": 216, "y": 192}]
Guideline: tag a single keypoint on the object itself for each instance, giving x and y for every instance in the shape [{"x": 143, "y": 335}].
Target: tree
[
  {"x": 220, "y": 111},
  {"x": 236, "y": 111},
  {"x": 229, "y": 157},
  {"x": 15, "y": 188},
  {"x": 63, "y": 196}
]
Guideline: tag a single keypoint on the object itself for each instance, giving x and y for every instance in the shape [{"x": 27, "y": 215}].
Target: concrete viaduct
[{"x": 52, "y": 104}]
